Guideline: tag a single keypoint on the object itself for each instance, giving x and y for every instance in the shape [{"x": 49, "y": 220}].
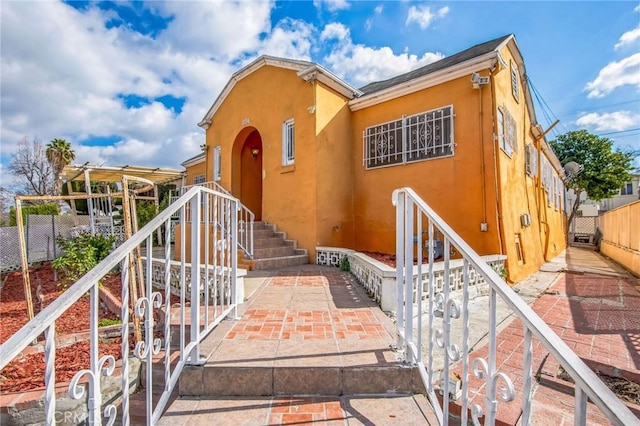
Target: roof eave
[
  {"x": 453, "y": 72},
  {"x": 242, "y": 73},
  {"x": 330, "y": 80}
]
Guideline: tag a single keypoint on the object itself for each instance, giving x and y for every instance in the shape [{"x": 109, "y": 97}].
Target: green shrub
[
  {"x": 344, "y": 264},
  {"x": 81, "y": 254},
  {"x": 105, "y": 322},
  {"x": 42, "y": 209}
]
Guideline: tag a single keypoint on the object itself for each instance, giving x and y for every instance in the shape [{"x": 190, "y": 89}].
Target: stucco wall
[
  {"x": 519, "y": 192},
  {"x": 195, "y": 170},
  {"x": 334, "y": 172},
  {"x": 263, "y": 100},
  {"x": 620, "y": 236},
  {"x": 453, "y": 186},
  {"x": 329, "y": 198}
]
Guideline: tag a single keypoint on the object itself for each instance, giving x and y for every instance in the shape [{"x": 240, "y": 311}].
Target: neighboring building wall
[
  {"x": 196, "y": 170},
  {"x": 629, "y": 193},
  {"x": 620, "y": 237}
]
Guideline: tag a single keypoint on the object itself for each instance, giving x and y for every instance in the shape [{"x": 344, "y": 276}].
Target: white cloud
[
  {"x": 628, "y": 38},
  {"x": 637, "y": 8},
  {"x": 369, "y": 22},
  {"x": 360, "y": 64},
  {"x": 331, "y": 5},
  {"x": 289, "y": 39},
  {"x": 423, "y": 16},
  {"x": 610, "y": 121},
  {"x": 614, "y": 75},
  {"x": 71, "y": 89}
]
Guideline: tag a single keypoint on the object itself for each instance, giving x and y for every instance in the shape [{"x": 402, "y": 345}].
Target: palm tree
[{"x": 59, "y": 154}]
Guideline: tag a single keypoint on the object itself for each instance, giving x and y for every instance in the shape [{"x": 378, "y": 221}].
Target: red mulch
[
  {"x": 28, "y": 372},
  {"x": 13, "y": 306},
  {"x": 387, "y": 259}
]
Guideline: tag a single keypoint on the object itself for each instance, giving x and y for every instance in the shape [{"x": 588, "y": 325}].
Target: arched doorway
[{"x": 247, "y": 173}]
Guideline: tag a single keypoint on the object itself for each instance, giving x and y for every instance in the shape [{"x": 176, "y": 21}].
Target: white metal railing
[
  {"x": 246, "y": 217},
  {"x": 412, "y": 216},
  {"x": 206, "y": 310}
]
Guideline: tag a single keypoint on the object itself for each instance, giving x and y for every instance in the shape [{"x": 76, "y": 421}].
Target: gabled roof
[
  {"x": 449, "y": 61},
  {"x": 308, "y": 71}
]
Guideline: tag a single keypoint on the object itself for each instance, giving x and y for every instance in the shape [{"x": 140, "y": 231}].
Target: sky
[{"x": 126, "y": 82}]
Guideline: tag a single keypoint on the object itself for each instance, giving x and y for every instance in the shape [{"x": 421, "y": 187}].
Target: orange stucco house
[{"x": 305, "y": 150}]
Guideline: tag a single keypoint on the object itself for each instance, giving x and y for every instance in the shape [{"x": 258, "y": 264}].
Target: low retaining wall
[
  {"x": 157, "y": 277},
  {"x": 379, "y": 279}
]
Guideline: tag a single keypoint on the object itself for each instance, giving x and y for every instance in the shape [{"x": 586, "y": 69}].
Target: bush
[
  {"x": 344, "y": 264},
  {"x": 106, "y": 322},
  {"x": 42, "y": 209},
  {"x": 81, "y": 254}
]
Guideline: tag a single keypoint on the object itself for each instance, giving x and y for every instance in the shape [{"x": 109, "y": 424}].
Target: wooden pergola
[{"x": 146, "y": 180}]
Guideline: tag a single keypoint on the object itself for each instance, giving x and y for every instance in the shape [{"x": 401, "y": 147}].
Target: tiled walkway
[
  {"x": 306, "y": 326},
  {"x": 597, "y": 316}
]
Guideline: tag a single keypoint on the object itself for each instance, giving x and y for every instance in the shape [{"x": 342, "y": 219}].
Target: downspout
[{"x": 496, "y": 171}]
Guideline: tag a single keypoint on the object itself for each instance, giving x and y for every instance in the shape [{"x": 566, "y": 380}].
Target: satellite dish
[{"x": 572, "y": 169}]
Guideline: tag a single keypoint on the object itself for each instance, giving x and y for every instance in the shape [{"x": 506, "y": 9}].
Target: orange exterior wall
[
  {"x": 620, "y": 236},
  {"x": 519, "y": 193},
  {"x": 262, "y": 101},
  {"x": 334, "y": 173},
  {"x": 328, "y": 198},
  {"x": 196, "y": 170},
  {"x": 452, "y": 186}
]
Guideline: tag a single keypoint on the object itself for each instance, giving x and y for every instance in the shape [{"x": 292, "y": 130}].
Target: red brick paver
[{"x": 598, "y": 317}]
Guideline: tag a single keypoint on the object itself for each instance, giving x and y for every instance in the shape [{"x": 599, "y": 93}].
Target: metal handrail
[
  {"x": 220, "y": 292},
  {"x": 587, "y": 383},
  {"x": 246, "y": 218}
]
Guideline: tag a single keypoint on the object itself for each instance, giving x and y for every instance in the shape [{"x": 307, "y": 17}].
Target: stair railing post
[
  {"x": 194, "y": 359},
  {"x": 235, "y": 206},
  {"x": 400, "y": 206}
]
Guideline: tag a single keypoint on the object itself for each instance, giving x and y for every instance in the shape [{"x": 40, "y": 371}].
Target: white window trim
[
  {"x": 288, "y": 144},
  {"x": 199, "y": 179},
  {"x": 217, "y": 163}
]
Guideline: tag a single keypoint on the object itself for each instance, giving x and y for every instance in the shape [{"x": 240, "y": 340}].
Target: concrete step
[
  {"x": 280, "y": 262},
  {"x": 378, "y": 410},
  {"x": 267, "y": 242},
  {"x": 278, "y": 251},
  {"x": 262, "y": 233},
  {"x": 220, "y": 380}
]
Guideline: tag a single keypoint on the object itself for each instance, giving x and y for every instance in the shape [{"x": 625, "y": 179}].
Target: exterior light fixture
[{"x": 255, "y": 152}]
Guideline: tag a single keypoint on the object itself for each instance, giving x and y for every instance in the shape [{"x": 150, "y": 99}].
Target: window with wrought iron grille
[
  {"x": 507, "y": 132},
  {"x": 197, "y": 180},
  {"x": 409, "y": 139},
  {"x": 217, "y": 163},
  {"x": 515, "y": 89},
  {"x": 288, "y": 143}
]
